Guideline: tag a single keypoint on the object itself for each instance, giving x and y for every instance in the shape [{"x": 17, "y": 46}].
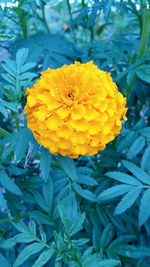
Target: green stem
[
  {"x": 16, "y": 120},
  {"x": 3, "y": 132},
  {"x": 83, "y": 3},
  {"x": 17, "y": 217},
  {"x": 145, "y": 33},
  {"x": 71, "y": 19},
  {"x": 143, "y": 43},
  {"x": 23, "y": 22},
  {"x": 91, "y": 39},
  {"x": 44, "y": 18}
]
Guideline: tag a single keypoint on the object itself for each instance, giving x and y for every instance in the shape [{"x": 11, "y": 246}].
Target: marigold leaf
[
  {"x": 139, "y": 173},
  {"x": 48, "y": 192},
  {"x": 27, "y": 252},
  {"x": 123, "y": 178},
  {"x": 27, "y": 67},
  {"x": 106, "y": 236},
  {"x": 144, "y": 207},
  {"x": 45, "y": 163},
  {"x": 114, "y": 191},
  {"x": 77, "y": 225},
  {"x": 145, "y": 132},
  {"x": 21, "y": 56},
  {"x": 9, "y": 184},
  {"x": 131, "y": 251},
  {"x": 3, "y": 203},
  {"x": 25, "y": 136},
  {"x": 4, "y": 261},
  {"x": 43, "y": 258},
  {"x": 87, "y": 180},
  {"x": 127, "y": 201},
  {"x": 143, "y": 73},
  {"x": 145, "y": 159},
  {"x": 127, "y": 141},
  {"x": 136, "y": 147},
  {"x": 69, "y": 167},
  {"x": 84, "y": 193}
]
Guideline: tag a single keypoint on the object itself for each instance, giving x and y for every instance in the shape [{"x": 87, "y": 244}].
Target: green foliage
[{"x": 56, "y": 211}]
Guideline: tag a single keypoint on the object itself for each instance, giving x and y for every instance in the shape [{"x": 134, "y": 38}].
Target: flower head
[{"x": 75, "y": 110}]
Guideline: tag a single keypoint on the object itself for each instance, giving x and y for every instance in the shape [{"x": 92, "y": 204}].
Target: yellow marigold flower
[{"x": 75, "y": 110}]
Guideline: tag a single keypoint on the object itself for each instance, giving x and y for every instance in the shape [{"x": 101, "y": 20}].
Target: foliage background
[{"x": 93, "y": 211}]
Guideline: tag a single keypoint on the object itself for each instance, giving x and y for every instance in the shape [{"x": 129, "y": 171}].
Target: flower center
[{"x": 70, "y": 96}]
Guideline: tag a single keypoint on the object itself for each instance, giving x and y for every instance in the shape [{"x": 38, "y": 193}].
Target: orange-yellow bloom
[{"x": 75, "y": 110}]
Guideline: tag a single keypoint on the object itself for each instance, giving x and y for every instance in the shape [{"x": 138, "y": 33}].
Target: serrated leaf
[
  {"x": 25, "y": 136},
  {"x": 9, "y": 184},
  {"x": 42, "y": 233},
  {"x": 40, "y": 201},
  {"x": 114, "y": 191},
  {"x": 43, "y": 258},
  {"x": 27, "y": 67},
  {"x": 9, "y": 78},
  {"x": 132, "y": 251},
  {"x": 45, "y": 163},
  {"x": 86, "y": 253},
  {"x": 145, "y": 165},
  {"x": 3, "y": 203},
  {"x": 32, "y": 227},
  {"x": 123, "y": 178},
  {"x": 106, "y": 236},
  {"x": 123, "y": 239},
  {"x": 21, "y": 56},
  {"x": 139, "y": 173},
  {"x": 84, "y": 193},
  {"x": 13, "y": 170},
  {"x": 25, "y": 237},
  {"x": 48, "y": 192},
  {"x": 10, "y": 68},
  {"x": 71, "y": 207},
  {"x": 27, "y": 75},
  {"x": 144, "y": 207},
  {"x": 27, "y": 252},
  {"x": 40, "y": 217},
  {"x": 108, "y": 263},
  {"x": 143, "y": 72},
  {"x": 127, "y": 201},
  {"x": 12, "y": 105},
  {"x": 85, "y": 179},
  {"x": 3, "y": 111},
  {"x": 4, "y": 261},
  {"x": 126, "y": 142},
  {"x": 80, "y": 242},
  {"x": 63, "y": 216},
  {"x": 77, "y": 225},
  {"x": 69, "y": 167},
  {"x": 145, "y": 132},
  {"x": 8, "y": 243},
  {"x": 136, "y": 147}
]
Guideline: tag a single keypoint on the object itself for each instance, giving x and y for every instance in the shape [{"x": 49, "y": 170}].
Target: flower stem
[
  {"x": 145, "y": 33},
  {"x": 143, "y": 43},
  {"x": 44, "y": 18},
  {"x": 71, "y": 19},
  {"x": 16, "y": 120}
]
